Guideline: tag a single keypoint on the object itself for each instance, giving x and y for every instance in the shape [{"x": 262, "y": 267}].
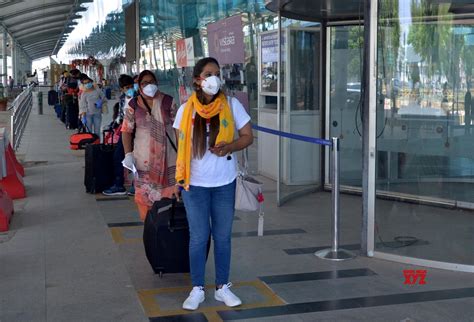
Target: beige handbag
[{"x": 248, "y": 193}]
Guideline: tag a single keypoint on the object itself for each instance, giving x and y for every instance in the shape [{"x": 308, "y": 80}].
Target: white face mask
[
  {"x": 211, "y": 85},
  {"x": 150, "y": 90}
]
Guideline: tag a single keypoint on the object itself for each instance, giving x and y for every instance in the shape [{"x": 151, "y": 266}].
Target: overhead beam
[
  {"x": 46, "y": 43},
  {"x": 53, "y": 37},
  {"x": 34, "y": 35},
  {"x": 31, "y": 30},
  {"x": 19, "y": 21},
  {"x": 39, "y": 8},
  {"x": 42, "y": 54},
  {"x": 32, "y": 23},
  {"x": 40, "y": 50},
  {"x": 10, "y": 3},
  {"x": 49, "y": 43}
]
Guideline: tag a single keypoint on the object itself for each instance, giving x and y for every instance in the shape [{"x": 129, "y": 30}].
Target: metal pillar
[
  {"x": 14, "y": 60},
  {"x": 279, "y": 109},
  {"x": 335, "y": 253},
  {"x": 369, "y": 108}
]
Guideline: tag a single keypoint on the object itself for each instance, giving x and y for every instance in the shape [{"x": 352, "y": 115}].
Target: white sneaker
[
  {"x": 225, "y": 295},
  {"x": 195, "y": 298}
]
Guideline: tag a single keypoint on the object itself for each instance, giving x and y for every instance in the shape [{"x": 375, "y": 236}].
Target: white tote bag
[
  {"x": 247, "y": 189},
  {"x": 246, "y": 193}
]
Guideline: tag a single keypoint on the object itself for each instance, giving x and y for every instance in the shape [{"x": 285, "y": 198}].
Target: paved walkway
[
  {"x": 60, "y": 262},
  {"x": 71, "y": 256}
]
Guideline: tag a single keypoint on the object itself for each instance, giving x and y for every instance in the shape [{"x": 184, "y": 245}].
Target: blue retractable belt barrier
[{"x": 293, "y": 136}]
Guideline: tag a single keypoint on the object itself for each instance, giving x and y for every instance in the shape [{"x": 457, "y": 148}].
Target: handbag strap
[
  {"x": 171, "y": 142},
  {"x": 167, "y": 101},
  {"x": 83, "y": 128},
  {"x": 173, "y": 209},
  {"x": 244, "y": 167}
]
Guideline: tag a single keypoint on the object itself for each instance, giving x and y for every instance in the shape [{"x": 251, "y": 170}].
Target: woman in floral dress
[{"x": 149, "y": 143}]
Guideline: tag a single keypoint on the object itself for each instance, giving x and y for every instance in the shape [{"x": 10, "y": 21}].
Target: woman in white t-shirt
[{"x": 211, "y": 127}]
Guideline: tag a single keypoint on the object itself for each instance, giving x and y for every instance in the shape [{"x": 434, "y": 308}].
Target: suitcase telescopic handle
[{"x": 172, "y": 221}]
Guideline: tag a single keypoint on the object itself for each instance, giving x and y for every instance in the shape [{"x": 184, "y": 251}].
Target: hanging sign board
[{"x": 226, "y": 40}]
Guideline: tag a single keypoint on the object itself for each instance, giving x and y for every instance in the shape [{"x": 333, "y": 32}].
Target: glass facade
[
  {"x": 18, "y": 63},
  {"x": 424, "y": 138},
  {"x": 175, "y": 34},
  {"x": 345, "y": 101},
  {"x": 163, "y": 24},
  {"x": 250, "y": 72},
  {"x": 424, "y": 105}
]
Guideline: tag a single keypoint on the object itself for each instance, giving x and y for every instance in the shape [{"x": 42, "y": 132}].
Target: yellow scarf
[{"x": 226, "y": 132}]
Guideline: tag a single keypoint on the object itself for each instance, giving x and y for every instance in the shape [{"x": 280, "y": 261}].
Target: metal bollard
[
  {"x": 40, "y": 102},
  {"x": 335, "y": 253}
]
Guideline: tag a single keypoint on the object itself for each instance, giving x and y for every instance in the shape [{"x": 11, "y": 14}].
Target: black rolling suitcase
[
  {"x": 99, "y": 169},
  {"x": 52, "y": 97},
  {"x": 166, "y": 237},
  {"x": 72, "y": 115}
]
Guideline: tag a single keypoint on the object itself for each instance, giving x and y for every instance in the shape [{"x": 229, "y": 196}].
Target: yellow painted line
[
  {"x": 117, "y": 235},
  {"x": 152, "y": 308},
  {"x": 213, "y": 317},
  {"x": 149, "y": 304}
]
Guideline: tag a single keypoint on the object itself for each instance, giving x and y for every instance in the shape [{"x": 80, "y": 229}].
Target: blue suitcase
[{"x": 58, "y": 109}]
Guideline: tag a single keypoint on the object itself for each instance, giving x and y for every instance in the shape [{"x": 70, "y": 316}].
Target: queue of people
[{"x": 184, "y": 152}]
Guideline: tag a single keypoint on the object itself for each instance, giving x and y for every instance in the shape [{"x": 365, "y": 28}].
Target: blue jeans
[
  {"x": 210, "y": 210},
  {"x": 93, "y": 123}
]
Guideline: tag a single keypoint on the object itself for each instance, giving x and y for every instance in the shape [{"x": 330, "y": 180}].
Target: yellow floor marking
[
  {"x": 152, "y": 308},
  {"x": 213, "y": 317},
  {"x": 117, "y": 235}
]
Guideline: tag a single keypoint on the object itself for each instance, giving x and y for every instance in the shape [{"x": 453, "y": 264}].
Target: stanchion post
[{"x": 335, "y": 253}]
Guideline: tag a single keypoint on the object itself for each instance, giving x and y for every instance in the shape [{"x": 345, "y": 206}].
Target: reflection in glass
[
  {"x": 424, "y": 139},
  {"x": 345, "y": 99},
  {"x": 304, "y": 70}
]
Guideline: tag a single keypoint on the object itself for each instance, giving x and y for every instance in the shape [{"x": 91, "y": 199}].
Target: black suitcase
[
  {"x": 52, "y": 97},
  {"x": 72, "y": 115},
  {"x": 99, "y": 167},
  {"x": 166, "y": 237}
]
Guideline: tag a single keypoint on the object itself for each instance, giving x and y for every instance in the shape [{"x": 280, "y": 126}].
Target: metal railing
[{"x": 21, "y": 108}]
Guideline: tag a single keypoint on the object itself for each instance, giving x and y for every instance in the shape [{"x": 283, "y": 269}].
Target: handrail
[{"x": 21, "y": 108}]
